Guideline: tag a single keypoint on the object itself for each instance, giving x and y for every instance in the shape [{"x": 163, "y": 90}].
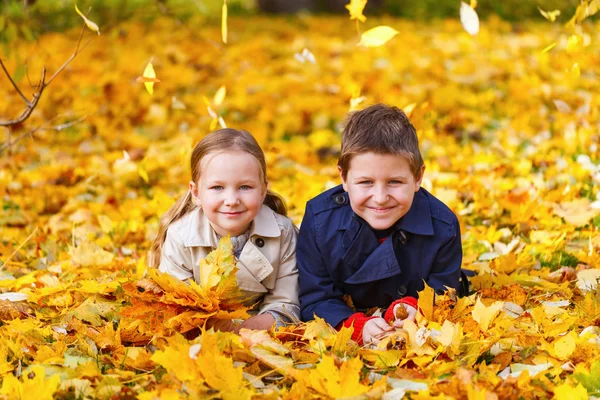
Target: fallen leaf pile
[{"x": 508, "y": 124}]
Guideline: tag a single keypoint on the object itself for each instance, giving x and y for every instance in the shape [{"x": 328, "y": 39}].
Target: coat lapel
[{"x": 365, "y": 259}]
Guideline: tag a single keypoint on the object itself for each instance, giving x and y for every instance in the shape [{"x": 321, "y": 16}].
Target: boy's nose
[{"x": 380, "y": 195}]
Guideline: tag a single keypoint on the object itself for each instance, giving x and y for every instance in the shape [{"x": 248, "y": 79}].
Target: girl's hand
[
  {"x": 412, "y": 314},
  {"x": 223, "y": 325},
  {"x": 258, "y": 322},
  {"x": 374, "y": 330}
]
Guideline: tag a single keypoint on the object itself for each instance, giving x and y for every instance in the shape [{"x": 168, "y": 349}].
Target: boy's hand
[
  {"x": 409, "y": 310},
  {"x": 374, "y": 330},
  {"x": 223, "y": 325}
]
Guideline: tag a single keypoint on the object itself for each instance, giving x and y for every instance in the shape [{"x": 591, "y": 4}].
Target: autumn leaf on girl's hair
[
  {"x": 356, "y": 7},
  {"x": 377, "y": 36},
  {"x": 148, "y": 77},
  {"x": 90, "y": 24},
  {"x": 469, "y": 19},
  {"x": 224, "y": 22},
  {"x": 550, "y": 15}
]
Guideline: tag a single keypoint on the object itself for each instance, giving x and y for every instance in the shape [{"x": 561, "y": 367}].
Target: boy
[{"x": 379, "y": 235}]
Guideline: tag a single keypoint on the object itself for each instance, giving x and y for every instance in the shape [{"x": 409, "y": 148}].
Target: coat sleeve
[
  {"x": 174, "y": 258},
  {"x": 282, "y": 301},
  {"x": 319, "y": 295},
  {"x": 446, "y": 267}
]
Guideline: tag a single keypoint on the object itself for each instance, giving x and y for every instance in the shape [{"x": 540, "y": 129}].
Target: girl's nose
[{"x": 231, "y": 198}]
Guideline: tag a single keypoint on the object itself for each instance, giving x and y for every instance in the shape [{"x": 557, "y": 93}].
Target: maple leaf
[
  {"x": 356, "y": 7},
  {"x": 35, "y": 385}
]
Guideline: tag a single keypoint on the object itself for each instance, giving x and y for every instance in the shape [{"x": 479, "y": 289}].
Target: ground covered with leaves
[{"x": 509, "y": 127}]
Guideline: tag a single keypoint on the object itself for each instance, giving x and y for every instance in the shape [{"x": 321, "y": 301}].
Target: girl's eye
[
  {"x": 245, "y": 187},
  {"x": 216, "y": 187}
]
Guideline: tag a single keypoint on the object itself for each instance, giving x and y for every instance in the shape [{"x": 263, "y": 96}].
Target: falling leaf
[
  {"x": 377, "y": 36},
  {"x": 148, "y": 77},
  {"x": 356, "y": 7},
  {"x": 219, "y": 96},
  {"x": 469, "y": 19},
  {"x": 562, "y": 106},
  {"x": 575, "y": 71},
  {"x": 91, "y": 25},
  {"x": 305, "y": 56},
  {"x": 574, "y": 43},
  {"x": 224, "y": 22},
  {"x": 550, "y": 15},
  {"x": 548, "y": 48}
]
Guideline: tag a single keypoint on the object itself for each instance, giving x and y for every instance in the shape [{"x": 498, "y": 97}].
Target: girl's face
[{"x": 230, "y": 191}]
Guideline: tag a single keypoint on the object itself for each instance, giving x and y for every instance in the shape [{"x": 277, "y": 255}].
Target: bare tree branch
[
  {"x": 9, "y": 143},
  {"x": 13, "y": 83},
  {"x": 31, "y": 104}
]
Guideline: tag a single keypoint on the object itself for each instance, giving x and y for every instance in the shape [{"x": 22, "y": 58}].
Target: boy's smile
[{"x": 381, "y": 188}]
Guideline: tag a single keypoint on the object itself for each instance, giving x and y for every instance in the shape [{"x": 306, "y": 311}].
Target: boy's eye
[
  {"x": 365, "y": 182},
  {"x": 216, "y": 187},
  {"x": 245, "y": 187},
  {"x": 395, "y": 182}
]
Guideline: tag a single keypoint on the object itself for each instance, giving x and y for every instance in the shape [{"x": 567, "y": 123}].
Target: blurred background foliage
[{"x": 29, "y": 18}]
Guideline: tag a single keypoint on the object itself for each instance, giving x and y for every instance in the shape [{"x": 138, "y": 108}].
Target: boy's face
[{"x": 381, "y": 188}]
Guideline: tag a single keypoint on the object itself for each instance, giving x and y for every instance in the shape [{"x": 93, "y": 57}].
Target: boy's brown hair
[{"x": 380, "y": 129}]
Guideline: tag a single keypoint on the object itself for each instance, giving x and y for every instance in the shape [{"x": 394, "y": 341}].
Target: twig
[
  {"x": 10, "y": 142},
  {"x": 31, "y": 104},
  {"x": 17, "y": 249},
  {"x": 13, "y": 83}
]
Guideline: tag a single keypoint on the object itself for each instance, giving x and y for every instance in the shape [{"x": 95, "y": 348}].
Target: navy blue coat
[{"x": 338, "y": 253}]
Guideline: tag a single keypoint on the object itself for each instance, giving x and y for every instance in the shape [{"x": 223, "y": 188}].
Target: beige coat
[{"x": 267, "y": 263}]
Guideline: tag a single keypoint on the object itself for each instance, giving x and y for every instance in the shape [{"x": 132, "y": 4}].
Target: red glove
[
  {"x": 389, "y": 313},
  {"x": 358, "y": 321}
]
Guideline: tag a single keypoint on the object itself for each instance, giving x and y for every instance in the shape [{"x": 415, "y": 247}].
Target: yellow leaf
[
  {"x": 356, "y": 7},
  {"x": 427, "y": 301},
  {"x": 548, "y": 48},
  {"x": 550, "y": 15},
  {"x": 565, "y": 346},
  {"x": 577, "y": 212},
  {"x": 473, "y": 4},
  {"x": 88, "y": 23},
  {"x": 567, "y": 392},
  {"x": 34, "y": 386},
  {"x": 90, "y": 254},
  {"x": 574, "y": 43},
  {"x": 377, "y": 36},
  {"x": 106, "y": 223},
  {"x": 148, "y": 77},
  {"x": 219, "y": 96},
  {"x": 575, "y": 71},
  {"x": 224, "y": 22},
  {"x": 469, "y": 19},
  {"x": 485, "y": 315}
]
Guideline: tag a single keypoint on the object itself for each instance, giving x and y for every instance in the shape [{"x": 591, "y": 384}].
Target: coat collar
[
  {"x": 416, "y": 221},
  {"x": 197, "y": 232}
]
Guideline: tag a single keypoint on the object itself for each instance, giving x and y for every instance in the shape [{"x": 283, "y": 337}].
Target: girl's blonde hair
[{"x": 218, "y": 141}]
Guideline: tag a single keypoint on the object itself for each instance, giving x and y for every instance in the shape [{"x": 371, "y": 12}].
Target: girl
[{"x": 228, "y": 196}]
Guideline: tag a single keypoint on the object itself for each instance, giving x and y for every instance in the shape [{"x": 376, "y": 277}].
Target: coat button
[
  {"x": 402, "y": 290},
  {"x": 339, "y": 199},
  {"x": 259, "y": 242}
]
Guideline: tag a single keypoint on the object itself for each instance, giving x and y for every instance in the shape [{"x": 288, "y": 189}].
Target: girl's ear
[
  {"x": 265, "y": 191},
  {"x": 194, "y": 192}
]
